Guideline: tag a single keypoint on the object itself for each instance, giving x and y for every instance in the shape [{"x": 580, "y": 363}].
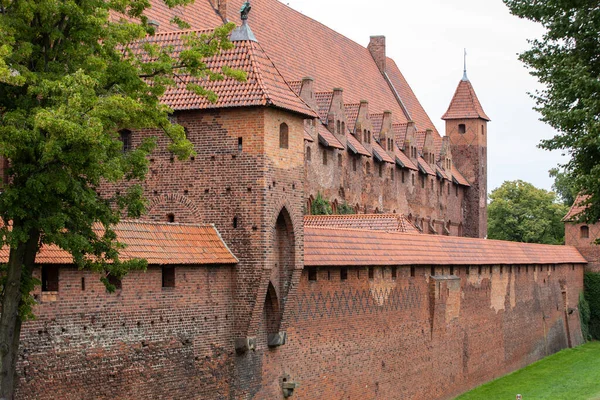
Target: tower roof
[{"x": 465, "y": 103}]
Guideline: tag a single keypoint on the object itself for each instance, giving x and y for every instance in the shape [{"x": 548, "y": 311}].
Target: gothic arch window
[
  {"x": 125, "y": 138},
  {"x": 283, "y": 136},
  {"x": 309, "y": 204},
  {"x": 368, "y": 168},
  {"x": 271, "y": 311},
  {"x": 343, "y": 132},
  {"x": 462, "y": 128},
  {"x": 338, "y": 127},
  {"x": 584, "y": 232},
  {"x": 308, "y": 153},
  {"x": 334, "y": 206},
  {"x": 482, "y": 129},
  {"x": 365, "y": 137}
]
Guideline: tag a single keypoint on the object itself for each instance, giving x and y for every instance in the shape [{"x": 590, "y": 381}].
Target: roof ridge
[{"x": 258, "y": 71}]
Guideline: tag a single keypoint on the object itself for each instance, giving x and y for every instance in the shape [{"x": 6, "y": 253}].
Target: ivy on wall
[{"x": 591, "y": 283}]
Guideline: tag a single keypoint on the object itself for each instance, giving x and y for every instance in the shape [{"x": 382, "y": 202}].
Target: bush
[
  {"x": 591, "y": 282},
  {"x": 320, "y": 206},
  {"x": 345, "y": 208}
]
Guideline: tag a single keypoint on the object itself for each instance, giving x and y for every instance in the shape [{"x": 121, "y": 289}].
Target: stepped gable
[
  {"x": 300, "y": 46},
  {"x": 465, "y": 103},
  {"x": 355, "y": 146},
  {"x": 158, "y": 243},
  {"x": 376, "y": 222},
  {"x": 412, "y": 104},
  {"x": 359, "y": 247},
  {"x": 264, "y": 85},
  {"x": 579, "y": 205}
]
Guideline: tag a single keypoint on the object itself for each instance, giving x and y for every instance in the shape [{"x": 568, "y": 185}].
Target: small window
[
  {"x": 402, "y": 176},
  {"x": 422, "y": 182},
  {"x": 170, "y": 218},
  {"x": 312, "y": 274},
  {"x": 338, "y": 127},
  {"x": 392, "y": 173},
  {"x": 168, "y": 277},
  {"x": 353, "y": 163},
  {"x": 283, "y": 136},
  {"x": 432, "y": 272},
  {"x": 116, "y": 282},
  {"x": 380, "y": 170},
  {"x": 343, "y": 132},
  {"x": 431, "y": 184},
  {"x": 308, "y": 155},
  {"x": 50, "y": 278},
  {"x": 125, "y": 137},
  {"x": 394, "y": 272},
  {"x": 371, "y": 273},
  {"x": 412, "y": 272},
  {"x": 456, "y": 190},
  {"x": 235, "y": 222},
  {"x": 368, "y": 136},
  {"x": 368, "y": 168},
  {"x": 413, "y": 179},
  {"x": 501, "y": 269},
  {"x": 344, "y": 273},
  {"x": 240, "y": 144},
  {"x": 324, "y": 156},
  {"x": 462, "y": 128},
  {"x": 451, "y": 270},
  {"x": 365, "y": 137},
  {"x": 584, "y": 232},
  {"x": 482, "y": 129},
  {"x": 339, "y": 160},
  {"x": 479, "y": 272},
  {"x": 82, "y": 283},
  {"x": 467, "y": 270},
  {"x": 328, "y": 275}
]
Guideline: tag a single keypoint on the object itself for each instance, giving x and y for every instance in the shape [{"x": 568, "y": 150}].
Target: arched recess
[
  {"x": 271, "y": 311},
  {"x": 284, "y": 253}
]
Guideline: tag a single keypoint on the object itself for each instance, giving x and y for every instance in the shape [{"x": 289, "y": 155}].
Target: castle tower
[{"x": 466, "y": 126}]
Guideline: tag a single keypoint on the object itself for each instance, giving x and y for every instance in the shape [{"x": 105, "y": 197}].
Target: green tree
[
  {"x": 71, "y": 77},
  {"x": 563, "y": 186},
  {"x": 565, "y": 60},
  {"x": 520, "y": 212}
]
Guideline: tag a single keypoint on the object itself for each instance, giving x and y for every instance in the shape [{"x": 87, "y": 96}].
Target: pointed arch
[{"x": 271, "y": 310}]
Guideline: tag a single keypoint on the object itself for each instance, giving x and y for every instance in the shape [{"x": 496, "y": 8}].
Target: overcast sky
[{"x": 426, "y": 39}]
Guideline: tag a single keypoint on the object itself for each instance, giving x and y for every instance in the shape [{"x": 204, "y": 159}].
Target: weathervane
[
  {"x": 465, "y": 70},
  {"x": 246, "y": 7}
]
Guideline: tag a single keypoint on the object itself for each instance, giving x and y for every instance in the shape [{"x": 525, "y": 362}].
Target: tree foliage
[
  {"x": 345, "y": 209},
  {"x": 520, "y": 212},
  {"x": 72, "y": 75},
  {"x": 320, "y": 206},
  {"x": 566, "y": 61},
  {"x": 563, "y": 186}
]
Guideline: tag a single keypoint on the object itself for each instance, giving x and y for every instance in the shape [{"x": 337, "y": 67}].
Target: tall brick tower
[{"x": 466, "y": 126}]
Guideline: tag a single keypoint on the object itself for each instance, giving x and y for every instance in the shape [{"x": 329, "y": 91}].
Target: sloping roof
[
  {"x": 465, "y": 103},
  {"x": 323, "y": 103},
  {"x": 351, "y": 111},
  {"x": 458, "y": 178},
  {"x": 440, "y": 171},
  {"x": 355, "y": 247},
  {"x": 377, "y": 121},
  {"x": 577, "y": 208},
  {"x": 295, "y": 86},
  {"x": 399, "y": 133},
  {"x": 356, "y": 146},
  {"x": 412, "y": 104},
  {"x": 377, "y": 222},
  {"x": 327, "y": 138},
  {"x": 158, "y": 243},
  {"x": 425, "y": 167},
  {"x": 301, "y": 46},
  {"x": 381, "y": 154},
  {"x": 307, "y": 136},
  {"x": 403, "y": 160},
  {"x": 264, "y": 85}
]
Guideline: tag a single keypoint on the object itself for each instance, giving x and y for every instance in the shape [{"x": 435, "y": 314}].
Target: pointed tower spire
[
  {"x": 465, "y": 103},
  {"x": 464, "y": 78}
]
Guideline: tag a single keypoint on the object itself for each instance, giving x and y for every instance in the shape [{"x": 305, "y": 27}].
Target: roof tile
[
  {"x": 328, "y": 139},
  {"x": 465, "y": 103},
  {"x": 378, "y": 222}
]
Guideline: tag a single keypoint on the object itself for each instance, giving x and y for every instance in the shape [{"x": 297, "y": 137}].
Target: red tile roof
[
  {"x": 324, "y": 103},
  {"x": 379, "y": 152},
  {"x": 308, "y": 137},
  {"x": 301, "y": 46},
  {"x": 403, "y": 160},
  {"x": 356, "y": 146},
  {"x": 425, "y": 166},
  {"x": 158, "y": 243},
  {"x": 264, "y": 85},
  {"x": 439, "y": 170},
  {"x": 377, "y": 121},
  {"x": 577, "y": 208},
  {"x": 327, "y": 138},
  {"x": 465, "y": 103},
  {"x": 354, "y": 247},
  {"x": 351, "y": 111},
  {"x": 296, "y": 86},
  {"x": 377, "y": 222},
  {"x": 399, "y": 133},
  {"x": 458, "y": 178}
]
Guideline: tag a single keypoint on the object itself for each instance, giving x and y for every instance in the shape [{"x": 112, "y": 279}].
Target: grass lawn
[{"x": 569, "y": 374}]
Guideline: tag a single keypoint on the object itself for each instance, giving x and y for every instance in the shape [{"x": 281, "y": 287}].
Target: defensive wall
[{"x": 375, "y": 315}]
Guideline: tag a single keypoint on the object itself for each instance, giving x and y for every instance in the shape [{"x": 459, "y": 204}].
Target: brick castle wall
[{"x": 586, "y": 246}]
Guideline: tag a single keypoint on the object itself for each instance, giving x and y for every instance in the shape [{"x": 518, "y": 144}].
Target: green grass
[{"x": 570, "y": 374}]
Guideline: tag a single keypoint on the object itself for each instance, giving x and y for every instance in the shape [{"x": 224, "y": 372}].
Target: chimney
[
  {"x": 377, "y": 49},
  {"x": 307, "y": 92}
]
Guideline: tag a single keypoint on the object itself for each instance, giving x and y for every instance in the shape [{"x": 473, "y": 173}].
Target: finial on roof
[
  {"x": 246, "y": 7},
  {"x": 464, "y": 78},
  {"x": 244, "y": 32}
]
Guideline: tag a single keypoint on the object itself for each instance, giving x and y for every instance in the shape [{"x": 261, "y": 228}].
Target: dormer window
[
  {"x": 584, "y": 232},
  {"x": 462, "y": 128},
  {"x": 283, "y": 136}
]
